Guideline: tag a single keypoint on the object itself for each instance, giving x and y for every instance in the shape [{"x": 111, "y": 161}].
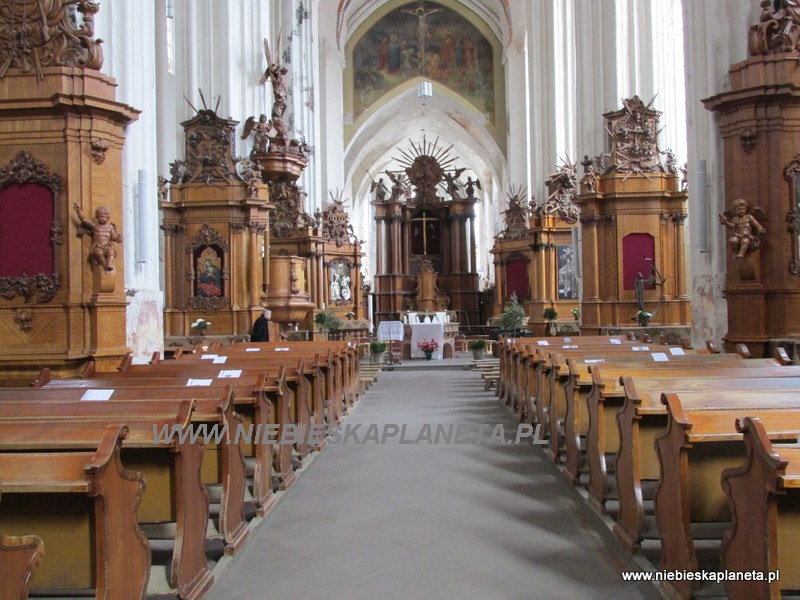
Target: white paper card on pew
[
  {"x": 594, "y": 360},
  {"x": 208, "y": 356},
  {"x": 281, "y": 349},
  {"x": 660, "y": 357},
  {"x": 567, "y": 339},
  {"x": 219, "y": 360},
  {"x": 614, "y": 341},
  {"x": 199, "y": 382},
  {"x": 252, "y": 349},
  {"x": 677, "y": 352},
  {"x": 543, "y": 343},
  {"x": 97, "y": 395},
  {"x": 641, "y": 348},
  {"x": 230, "y": 374},
  {"x": 569, "y": 347}
]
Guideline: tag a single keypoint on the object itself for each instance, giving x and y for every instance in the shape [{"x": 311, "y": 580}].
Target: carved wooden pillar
[
  {"x": 380, "y": 264},
  {"x": 254, "y": 276}
]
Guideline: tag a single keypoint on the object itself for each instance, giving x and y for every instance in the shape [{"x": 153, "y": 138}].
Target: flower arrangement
[
  {"x": 576, "y": 312},
  {"x": 643, "y": 317},
  {"x": 201, "y": 325},
  {"x": 428, "y": 345}
]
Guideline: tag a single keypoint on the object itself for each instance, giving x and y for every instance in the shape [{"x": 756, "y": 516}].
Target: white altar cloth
[{"x": 426, "y": 331}]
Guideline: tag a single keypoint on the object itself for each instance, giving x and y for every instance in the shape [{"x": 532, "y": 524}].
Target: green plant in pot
[
  {"x": 551, "y": 316},
  {"x": 478, "y": 348},
  {"x": 376, "y": 350},
  {"x": 327, "y": 321},
  {"x": 513, "y": 317}
]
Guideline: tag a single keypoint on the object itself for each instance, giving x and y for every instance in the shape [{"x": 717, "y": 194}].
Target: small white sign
[
  {"x": 252, "y": 349},
  {"x": 641, "y": 348},
  {"x": 660, "y": 357},
  {"x": 543, "y": 343},
  {"x": 220, "y": 360},
  {"x": 569, "y": 347},
  {"x": 281, "y": 349},
  {"x": 199, "y": 382},
  {"x": 230, "y": 374},
  {"x": 208, "y": 356},
  {"x": 590, "y": 361},
  {"x": 97, "y": 395},
  {"x": 615, "y": 341},
  {"x": 677, "y": 352},
  {"x": 567, "y": 339}
]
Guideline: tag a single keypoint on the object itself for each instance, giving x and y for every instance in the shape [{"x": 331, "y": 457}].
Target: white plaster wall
[
  {"x": 716, "y": 37},
  {"x": 124, "y": 26}
]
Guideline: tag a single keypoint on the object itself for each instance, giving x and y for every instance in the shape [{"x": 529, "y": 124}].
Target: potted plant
[
  {"x": 428, "y": 347},
  {"x": 576, "y": 312},
  {"x": 478, "y": 348},
  {"x": 643, "y": 317},
  {"x": 551, "y": 316},
  {"x": 376, "y": 350},
  {"x": 513, "y": 317},
  {"x": 326, "y": 321}
]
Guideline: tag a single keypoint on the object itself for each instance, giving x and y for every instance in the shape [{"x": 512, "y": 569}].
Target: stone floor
[{"x": 423, "y": 521}]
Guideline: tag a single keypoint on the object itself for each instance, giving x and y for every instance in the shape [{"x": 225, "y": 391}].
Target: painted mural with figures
[{"x": 424, "y": 39}]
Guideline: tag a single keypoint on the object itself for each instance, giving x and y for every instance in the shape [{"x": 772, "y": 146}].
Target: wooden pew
[
  {"x": 763, "y": 497},
  {"x": 644, "y": 417},
  {"x": 693, "y": 452},
  {"x": 97, "y": 501},
  {"x": 593, "y": 403},
  {"x": 172, "y": 470},
  {"x": 323, "y": 388},
  {"x": 342, "y": 359},
  {"x": 19, "y": 556},
  {"x": 223, "y": 461},
  {"x": 267, "y": 395}
]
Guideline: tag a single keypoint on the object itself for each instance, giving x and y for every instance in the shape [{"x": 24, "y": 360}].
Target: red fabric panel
[
  {"x": 26, "y": 214},
  {"x": 517, "y": 279},
  {"x": 636, "y": 247}
]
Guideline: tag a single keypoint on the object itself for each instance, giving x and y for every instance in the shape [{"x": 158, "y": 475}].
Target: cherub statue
[
  {"x": 379, "y": 189},
  {"x": 104, "y": 235},
  {"x": 260, "y": 131},
  {"x": 743, "y": 225},
  {"x": 471, "y": 185}
]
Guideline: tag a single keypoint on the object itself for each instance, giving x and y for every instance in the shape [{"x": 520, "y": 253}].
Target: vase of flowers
[
  {"x": 643, "y": 317},
  {"x": 201, "y": 326},
  {"x": 428, "y": 347}
]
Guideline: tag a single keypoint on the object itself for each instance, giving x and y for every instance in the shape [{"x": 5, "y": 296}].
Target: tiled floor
[{"x": 429, "y": 521}]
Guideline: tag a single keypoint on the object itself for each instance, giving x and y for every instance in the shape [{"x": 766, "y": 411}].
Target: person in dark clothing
[{"x": 261, "y": 327}]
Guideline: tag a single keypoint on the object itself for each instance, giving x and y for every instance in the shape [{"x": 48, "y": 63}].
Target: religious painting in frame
[
  {"x": 208, "y": 272},
  {"x": 424, "y": 39},
  {"x": 567, "y": 273},
  {"x": 341, "y": 285}
]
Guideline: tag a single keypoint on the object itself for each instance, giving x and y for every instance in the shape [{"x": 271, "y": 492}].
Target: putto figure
[
  {"x": 104, "y": 236},
  {"x": 743, "y": 226}
]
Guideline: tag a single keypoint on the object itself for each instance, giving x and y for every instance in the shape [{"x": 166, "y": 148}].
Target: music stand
[{"x": 391, "y": 331}]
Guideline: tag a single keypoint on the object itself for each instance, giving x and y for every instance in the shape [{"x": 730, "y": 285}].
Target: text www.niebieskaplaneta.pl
[{"x": 316, "y": 434}]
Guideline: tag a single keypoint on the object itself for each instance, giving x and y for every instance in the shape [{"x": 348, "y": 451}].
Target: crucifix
[{"x": 425, "y": 219}]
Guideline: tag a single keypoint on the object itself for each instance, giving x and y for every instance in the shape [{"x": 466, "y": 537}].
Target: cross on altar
[{"x": 425, "y": 219}]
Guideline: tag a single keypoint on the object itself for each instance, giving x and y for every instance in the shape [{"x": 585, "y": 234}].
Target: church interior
[{"x": 549, "y": 200}]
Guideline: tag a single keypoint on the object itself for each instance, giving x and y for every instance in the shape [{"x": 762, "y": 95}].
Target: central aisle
[{"x": 429, "y": 521}]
